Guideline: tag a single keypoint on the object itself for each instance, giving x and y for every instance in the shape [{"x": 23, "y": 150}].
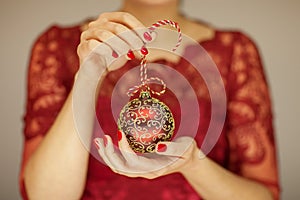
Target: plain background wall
[{"x": 274, "y": 25}]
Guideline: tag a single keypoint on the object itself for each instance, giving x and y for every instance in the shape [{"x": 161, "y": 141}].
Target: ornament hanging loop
[
  {"x": 170, "y": 23},
  {"x": 145, "y": 81}
]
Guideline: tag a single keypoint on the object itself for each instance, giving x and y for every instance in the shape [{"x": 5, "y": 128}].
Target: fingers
[
  {"x": 122, "y": 18},
  {"x": 107, "y": 37},
  {"x": 92, "y": 45},
  {"x": 119, "y": 162},
  {"x": 100, "y": 146},
  {"x": 119, "y": 31},
  {"x": 130, "y": 36},
  {"x": 127, "y": 163},
  {"x": 108, "y": 154}
]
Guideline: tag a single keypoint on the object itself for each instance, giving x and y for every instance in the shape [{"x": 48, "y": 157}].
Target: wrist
[
  {"x": 88, "y": 75},
  {"x": 194, "y": 164}
]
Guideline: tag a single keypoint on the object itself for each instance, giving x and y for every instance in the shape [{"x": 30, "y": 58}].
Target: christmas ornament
[{"x": 145, "y": 120}]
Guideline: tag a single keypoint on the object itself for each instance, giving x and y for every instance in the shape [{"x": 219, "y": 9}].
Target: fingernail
[
  {"x": 115, "y": 54},
  {"x": 147, "y": 36},
  {"x": 119, "y": 135},
  {"x": 144, "y": 51},
  {"x": 96, "y": 144},
  {"x": 161, "y": 148},
  {"x": 130, "y": 55},
  {"x": 105, "y": 141}
]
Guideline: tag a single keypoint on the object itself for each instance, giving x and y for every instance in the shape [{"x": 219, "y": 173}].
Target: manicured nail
[
  {"x": 105, "y": 141},
  {"x": 119, "y": 135},
  {"x": 130, "y": 55},
  {"x": 144, "y": 51},
  {"x": 115, "y": 54},
  {"x": 96, "y": 144},
  {"x": 161, "y": 148},
  {"x": 147, "y": 36}
]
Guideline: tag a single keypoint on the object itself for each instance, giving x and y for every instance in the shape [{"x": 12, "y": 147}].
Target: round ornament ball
[{"x": 146, "y": 121}]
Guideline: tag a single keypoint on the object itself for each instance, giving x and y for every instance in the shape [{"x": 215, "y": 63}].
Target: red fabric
[{"x": 246, "y": 145}]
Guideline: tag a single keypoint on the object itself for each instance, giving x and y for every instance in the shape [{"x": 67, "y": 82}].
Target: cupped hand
[
  {"x": 169, "y": 157},
  {"x": 113, "y": 35}
]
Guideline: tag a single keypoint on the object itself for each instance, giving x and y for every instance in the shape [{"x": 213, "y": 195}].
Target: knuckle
[
  {"x": 118, "y": 28},
  {"x": 91, "y": 45},
  {"x": 91, "y": 24},
  {"x": 81, "y": 52},
  {"x": 83, "y": 36},
  {"x": 103, "y": 16},
  {"x": 125, "y": 16},
  {"x": 102, "y": 34},
  {"x": 79, "y": 49}
]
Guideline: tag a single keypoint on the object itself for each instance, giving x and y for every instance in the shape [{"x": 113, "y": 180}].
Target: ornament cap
[{"x": 145, "y": 95}]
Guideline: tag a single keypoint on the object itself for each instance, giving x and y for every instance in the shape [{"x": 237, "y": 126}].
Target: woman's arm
[
  {"x": 212, "y": 181},
  {"x": 250, "y": 135},
  {"x": 252, "y": 145},
  {"x": 54, "y": 161},
  {"x": 57, "y": 169},
  {"x": 57, "y": 163}
]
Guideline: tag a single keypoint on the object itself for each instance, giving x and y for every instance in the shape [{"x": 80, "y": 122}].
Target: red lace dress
[{"x": 246, "y": 145}]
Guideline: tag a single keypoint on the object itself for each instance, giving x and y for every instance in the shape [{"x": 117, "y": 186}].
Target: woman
[{"x": 55, "y": 165}]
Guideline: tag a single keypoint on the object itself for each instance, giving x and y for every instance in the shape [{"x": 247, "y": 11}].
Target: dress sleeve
[
  {"x": 251, "y": 134},
  {"x": 47, "y": 90}
]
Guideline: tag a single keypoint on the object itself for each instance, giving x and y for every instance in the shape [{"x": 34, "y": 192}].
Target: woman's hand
[
  {"x": 112, "y": 36},
  {"x": 169, "y": 157}
]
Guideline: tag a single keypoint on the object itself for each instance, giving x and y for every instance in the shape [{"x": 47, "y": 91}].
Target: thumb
[
  {"x": 125, "y": 149},
  {"x": 176, "y": 148},
  {"x": 123, "y": 143}
]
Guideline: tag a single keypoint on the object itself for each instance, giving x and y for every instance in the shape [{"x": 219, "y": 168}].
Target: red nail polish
[
  {"x": 144, "y": 50},
  {"x": 119, "y": 135},
  {"x": 147, "y": 36},
  {"x": 105, "y": 141},
  {"x": 115, "y": 54},
  {"x": 96, "y": 144},
  {"x": 130, "y": 55},
  {"x": 161, "y": 148}
]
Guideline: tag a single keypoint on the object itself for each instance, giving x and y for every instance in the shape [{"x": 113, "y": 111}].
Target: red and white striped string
[
  {"x": 145, "y": 81},
  {"x": 171, "y": 23}
]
